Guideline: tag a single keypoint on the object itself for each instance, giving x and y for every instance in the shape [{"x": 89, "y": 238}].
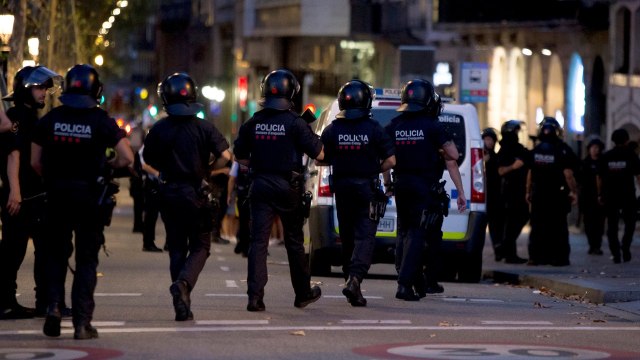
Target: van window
[
  {"x": 454, "y": 125},
  {"x": 383, "y": 116}
]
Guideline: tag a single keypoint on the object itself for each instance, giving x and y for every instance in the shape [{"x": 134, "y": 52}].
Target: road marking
[
  {"x": 231, "y": 283},
  {"x": 343, "y": 297},
  {"x": 117, "y": 294},
  {"x": 497, "y": 322},
  {"x": 375, "y": 321},
  {"x": 221, "y": 258},
  {"x": 68, "y": 323},
  {"x": 217, "y": 250},
  {"x": 224, "y": 268},
  {"x": 232, "y": 322},
  {"x": 331, "y": 328},
  {"x": 473, "y": 300},
  {"x": 226, "y": 295}
]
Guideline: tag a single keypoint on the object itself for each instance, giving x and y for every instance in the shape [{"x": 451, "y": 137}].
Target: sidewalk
[{"x": 589, "y": 277}]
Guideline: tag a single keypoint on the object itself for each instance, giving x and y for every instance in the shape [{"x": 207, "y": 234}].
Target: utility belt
[
  {"x": 107, "y": 190},
  {"x": 378, "y": 204},
  {"x": 433, "y": 216}
]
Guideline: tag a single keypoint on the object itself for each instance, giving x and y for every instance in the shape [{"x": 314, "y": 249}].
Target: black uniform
[
  {"x": 592, "y": 210},
  {"x": 73, "y": 144},
  {"x": 274, "y": 142},
  {"x": 516, "y": 209},
  {"x": 550, "y": 203},
  {"x": 355, "y": 149},
  {"x": 617, "y": 168},
  {"x": 495, "y": 202},
  {"x": 419, "y": 167},
  {"x": 151, "y": 188},
  {"x": 242, "y": 186},
  {"x": 179, "y": 147},
  {"x": 17, "y": 229}
]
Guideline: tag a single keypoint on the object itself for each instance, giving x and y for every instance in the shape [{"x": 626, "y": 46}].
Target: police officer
[
  {"x": 551, "y": 190},
  {"x": 272, "y": 143},
  {"x": 495, "y": 204},
  {"x": 616, "y": 190},
  {"x": 68, "y": 150},
  {"x": 240, "y": 183},
  {"x": 150, "y": 187},
  {"x": 512, "y": 160},
  {"x": 22, "y": 193},
  {"x": 593, "y": 214},
  {"x": 179, "y": 147},
  {"x": 423, "y": 151},
  {"x": 358, "y": 149}
]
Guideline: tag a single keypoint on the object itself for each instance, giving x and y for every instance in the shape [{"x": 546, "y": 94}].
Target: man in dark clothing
[
  {"x": 420, "y": 140},
  {"x": 358, "y": 149},
  {"x": 495, "y": 201},
  {"x": 617, "y": 191},
  {"x": 219, "y": 181},
  {"x": 22, "y": 196},
  {"x": 551, "y": 191},
  {"x": 272, "y": 144},
  {"x": 151, "y": 188},
  {"x": 593, "y": 214},
  {"x": 179, "y": 147},
  {"x": 69, "y": 151},
  {"x": 240, "y": 181},
  {"x": 513, "y": 171}
]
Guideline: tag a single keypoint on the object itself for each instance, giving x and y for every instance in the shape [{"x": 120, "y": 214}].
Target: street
[{"x": 134, "y": 316}]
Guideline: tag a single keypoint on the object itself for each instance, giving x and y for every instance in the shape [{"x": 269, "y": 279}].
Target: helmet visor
[{"x": 43, "y": 76}]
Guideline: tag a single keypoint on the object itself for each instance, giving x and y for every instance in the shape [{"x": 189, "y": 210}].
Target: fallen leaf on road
[
  {"x": 298, "y": 333},
  {"x": 539, "y": 305},
  {"x": 600, "y": 321},
  {"x": 444, "y": 323},
  {"x": 432, "y": 335}
]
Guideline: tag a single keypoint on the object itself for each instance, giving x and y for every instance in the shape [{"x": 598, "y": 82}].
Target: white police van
[{"x": 463, "y": 233}]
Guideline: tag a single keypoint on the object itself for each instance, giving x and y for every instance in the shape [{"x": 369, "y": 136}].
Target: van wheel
[
  {"x": 319, "y": 267},
  {"x": 471, "y": 270}
]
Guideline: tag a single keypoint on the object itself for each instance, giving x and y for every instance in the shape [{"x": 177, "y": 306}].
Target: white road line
[
  {"x": 231, "y": 283},
  {"x": 226, "y": 295},
  {"x": 38, "y": 332},
  {"x": 232, "y": 322},
  {"x": 473, "y": 300},
  {"x": 69, "y": 324},
  {"x": 375, "y": 321},
  {"x": 224, "y": 268},
  {"x": 216, "y": 250},
  {"x": 221, "y": 258},
  {"x": 117, "y": 294},
  {"x": 497, "y": 322},
  {"x": 343, "y": 297}
]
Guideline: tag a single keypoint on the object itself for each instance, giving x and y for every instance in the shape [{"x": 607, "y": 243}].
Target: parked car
[{"x": 464, "y": 233}]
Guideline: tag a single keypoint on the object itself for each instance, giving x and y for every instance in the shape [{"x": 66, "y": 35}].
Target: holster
[
  {"x": 107, "y": 189},
  {"x": 378, "y": 205}
]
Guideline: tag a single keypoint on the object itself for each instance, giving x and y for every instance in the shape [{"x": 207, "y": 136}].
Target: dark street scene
[{"x": 335, "y": 179}]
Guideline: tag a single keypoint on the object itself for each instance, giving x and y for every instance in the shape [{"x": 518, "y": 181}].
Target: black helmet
[
  {"x": 178, "y": 92},
  {"x": 82, "y": 87},
  {"x": 354, "y": 100},
  {"x": 490, "y": 132},
  {"x": 620, "y": 136},
  {"x": 278, "y": 89},
  {"x": 549, "y": 129},
  {"x": 420, "y": 95},
  {"x": 28, "y": 77}
]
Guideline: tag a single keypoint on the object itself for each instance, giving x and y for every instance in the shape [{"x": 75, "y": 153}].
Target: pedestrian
[
  {"x": 239, "y": 183},
  {"x": 179, "y": 147},
  {"x": 69, "y": 152},
  {"x": 593, "y": 214},
  {"x": 513, "y": 170},
  {"x": 151, "y": 210},
  {"x": 22, "y": 196},
  {"x": 272, "y": 143},
  {"x": 495, "y": 201},
  {"x": 617, "y": 192},
  {"x": 423, "y": 151},
  {"x": 358, "y": 150},
  {"x": 551, "y": 191}
]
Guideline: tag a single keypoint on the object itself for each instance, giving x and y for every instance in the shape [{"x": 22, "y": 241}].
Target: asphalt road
[{"x": 134, "y": 317}]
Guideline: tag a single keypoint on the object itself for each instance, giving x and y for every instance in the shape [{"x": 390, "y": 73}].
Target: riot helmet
[
  {"x": 620, "y": 136},
  {"x": 549, "y": 129},
  {"x": 354, "y": 100},
  {"x": 420, "y": 95},
  {"x": 490, "y": 132},
  {"x": 82, "y": 87},
  {"x": 278, "y": 89},
  {"x": 509, "y": 131},
  {"x": 178, "y": 92},
  {"x": 31, "y": 76}
]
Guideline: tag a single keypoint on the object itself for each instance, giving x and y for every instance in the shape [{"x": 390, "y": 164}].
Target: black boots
[
  {"x": 85, "y": 332},
  {"x": 52, "y": 321},
  {"x": 256, "y": 305},
  {"x": 312, "y": 296},
  {"x": 353, "y": 293},
  {"x": 406, "y": 293},
  {"x": 181, "y": 300}
]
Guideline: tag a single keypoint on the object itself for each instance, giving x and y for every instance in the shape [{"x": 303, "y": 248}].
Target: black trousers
[
  {"x": 151, "y": 212},
  {"x": 16, "y": 231},
  {"x": 72, "y": 210},
  {"x": 187, "y": 223},
  {"x": 516, "y": 217},
  {"x": 626, "y": 212},
  {"x": 244, "y": 224},
  {"x": 357, "y": 230},
  {"x": 270, "y": 196},
  {"x": 549, "y": 236},
  {"x": 593, "y": 219}
]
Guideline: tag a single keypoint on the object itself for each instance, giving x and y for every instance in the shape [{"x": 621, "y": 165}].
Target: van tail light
[
  {"x": 323, "y": 183},
  {"x": 477, "y": 176}
]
